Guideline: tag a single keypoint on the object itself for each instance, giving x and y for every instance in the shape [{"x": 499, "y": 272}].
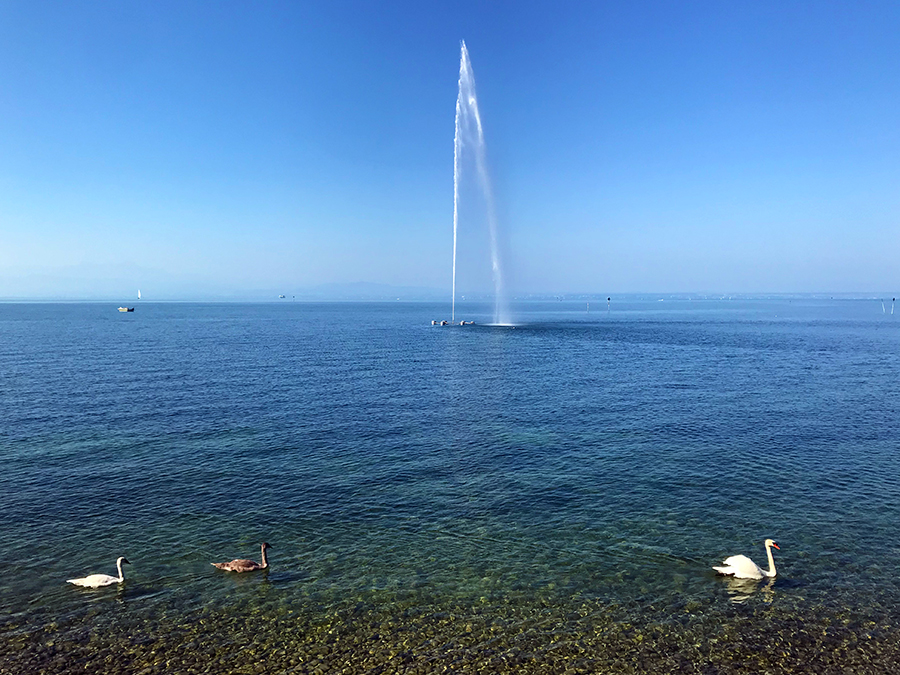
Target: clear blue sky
[{"x": 187, "y": 147}]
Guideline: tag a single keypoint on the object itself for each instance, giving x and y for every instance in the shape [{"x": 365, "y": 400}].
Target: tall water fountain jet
[{"x": 469, "y": 137}]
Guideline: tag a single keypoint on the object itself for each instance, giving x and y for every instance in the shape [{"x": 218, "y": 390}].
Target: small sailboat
[{"x": 139, "y": 294}]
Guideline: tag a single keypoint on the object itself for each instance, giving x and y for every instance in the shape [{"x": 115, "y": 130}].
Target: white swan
[
  {"x": 742, "y": 567},
  {"x": 244, "y": 565},
  {"x": 97, "y": 580}
]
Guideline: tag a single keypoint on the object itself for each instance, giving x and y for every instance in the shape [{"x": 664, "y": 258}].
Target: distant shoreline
[{"x": 524, "y": 299}]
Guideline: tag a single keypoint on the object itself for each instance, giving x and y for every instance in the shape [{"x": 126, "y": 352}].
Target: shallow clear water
[{"x": 551, "y": 495}]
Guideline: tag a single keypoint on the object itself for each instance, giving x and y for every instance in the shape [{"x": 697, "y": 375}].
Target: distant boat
[
  {"x": 281, "y": 296},
  {"x": 126, "y": 309},
  {"x": 139, "y": 294}
]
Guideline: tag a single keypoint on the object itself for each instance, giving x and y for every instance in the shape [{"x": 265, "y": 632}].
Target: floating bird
[
  {"x": 742, "y": 567},
  {"x": 97, "y": 580},
  {"x": 242, "y": 565}
]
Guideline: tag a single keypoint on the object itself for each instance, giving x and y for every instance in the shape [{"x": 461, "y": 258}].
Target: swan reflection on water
[{"x": 741, "y": 590}]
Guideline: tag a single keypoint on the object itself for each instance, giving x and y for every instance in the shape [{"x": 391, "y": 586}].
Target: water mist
[{"x": 469, "y": 140}]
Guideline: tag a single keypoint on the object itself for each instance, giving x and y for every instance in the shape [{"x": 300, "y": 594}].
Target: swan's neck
[
  {"x": 121, "y": 573},
  {"x": 265, "y": 561},
  {"x": 771, "y": 572}
]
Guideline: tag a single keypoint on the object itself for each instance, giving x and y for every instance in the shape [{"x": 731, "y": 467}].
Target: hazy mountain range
[{"x": 121, "y": 284}]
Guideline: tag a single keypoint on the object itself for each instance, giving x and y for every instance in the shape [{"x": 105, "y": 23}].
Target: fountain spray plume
[{"x": 469, "y": 133}]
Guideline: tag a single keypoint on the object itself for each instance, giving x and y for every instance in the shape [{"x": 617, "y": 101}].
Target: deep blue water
[{"x": 580, "y": 457}]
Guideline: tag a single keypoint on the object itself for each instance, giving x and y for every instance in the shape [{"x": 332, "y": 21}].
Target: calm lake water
[{"x": 544, "y": 498}]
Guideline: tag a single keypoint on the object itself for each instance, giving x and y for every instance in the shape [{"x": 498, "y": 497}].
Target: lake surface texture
[{"x": 548, "y": 498}]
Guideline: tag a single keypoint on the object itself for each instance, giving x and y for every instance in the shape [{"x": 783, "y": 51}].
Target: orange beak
[{"x": 776, "y": 545}]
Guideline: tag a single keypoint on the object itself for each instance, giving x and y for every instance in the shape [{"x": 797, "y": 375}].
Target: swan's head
[
  {"x": 771, "y": 542},
  {"x": 122, "y": 560},
  {"x": 266, "y": 545}
]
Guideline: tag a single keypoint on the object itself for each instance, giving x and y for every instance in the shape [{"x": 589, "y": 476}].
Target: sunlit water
[{"x": 535, "y": 498}]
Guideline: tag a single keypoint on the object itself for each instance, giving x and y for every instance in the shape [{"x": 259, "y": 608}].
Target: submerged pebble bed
[{"x": 474, "y": 635}]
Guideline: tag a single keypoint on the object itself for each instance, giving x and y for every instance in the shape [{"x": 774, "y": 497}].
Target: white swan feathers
[
  {"x": 741, "y": 567},
  {"x": 97, "y": 580}
]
